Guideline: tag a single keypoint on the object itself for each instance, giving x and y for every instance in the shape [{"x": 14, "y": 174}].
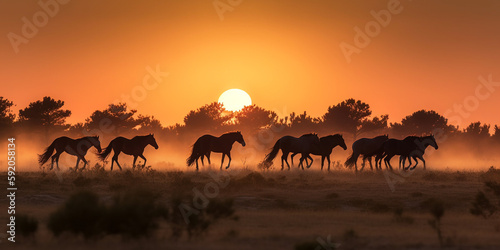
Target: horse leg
[
  {"x": 228, "y": 156},
  {"x": 115, "y": 159},
  {"x": 144, "y": 158},
  {"x": 77, "y": 162},
  {"x": 208, "y": 158},
  {"x": 307, "y": 164},
  {"x": 370, "y": 161},
  {"x": 285, "y": 156},
  {"x": 291, "y": 157},
  {"x": 328, "y": 159},
  {"x": 222, "y": 161},
  {"x": 84, "y": 162},
  {"x": 133, "y": 163},
  {"x": 202, "y": 163},
  {"x": 55, "y": 158},
  {"x": 388, "y": 160},
  {"x": 323, "y": 162}
]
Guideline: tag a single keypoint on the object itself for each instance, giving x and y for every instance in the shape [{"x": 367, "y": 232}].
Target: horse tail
[
  {"x": 270, "y": 157},
  {"x": 194, "y": 154},
  {"x": 43, "y": 158},
  {"x": 351, "y": 160},
  {"x": 104, "y": 154}
]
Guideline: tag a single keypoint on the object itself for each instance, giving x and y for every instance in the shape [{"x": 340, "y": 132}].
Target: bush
[
  {"x": 199, "y": 221},
  {"x": 134, "y": 214},
  {"x": 26, "y": 225},
  {"x": 81, "y": 214}
]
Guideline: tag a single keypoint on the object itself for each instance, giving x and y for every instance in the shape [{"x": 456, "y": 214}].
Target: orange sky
[{"x": 285, "y": 54}]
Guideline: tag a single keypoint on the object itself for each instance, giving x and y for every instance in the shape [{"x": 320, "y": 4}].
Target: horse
[
  {"x": 421, "y": 144},
  {"x": 326, "y": 145},
  {"x": 134, "y": 146},
  {"x": 411, "y": 146},
  {"x": 209, "y": 143},
  {"x": 77, "y": 147},
  {"x": 304, "y": 145},
  {"x": 367, "y": 147}
]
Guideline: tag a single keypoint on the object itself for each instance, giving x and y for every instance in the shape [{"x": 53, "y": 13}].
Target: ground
[{"x": 294, "y": 209}]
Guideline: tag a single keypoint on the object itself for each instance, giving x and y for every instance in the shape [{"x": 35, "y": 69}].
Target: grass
[{"x": 277, "y": 209}]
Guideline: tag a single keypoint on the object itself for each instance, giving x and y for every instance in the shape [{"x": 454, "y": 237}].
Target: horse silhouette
[
  {"x": 326, "y": 145},
  {"x": 77, "y": 147},
  {"x": 304, "y": 145},
  {"x": 209, "y": 143},
  {"x": 367, "y": 147},
  {"x": 411, "y": 146},
  {"x": 134, "y": 146}
]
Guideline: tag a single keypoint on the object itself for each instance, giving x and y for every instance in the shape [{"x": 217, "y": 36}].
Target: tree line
[{"x": 350, "y": 117}]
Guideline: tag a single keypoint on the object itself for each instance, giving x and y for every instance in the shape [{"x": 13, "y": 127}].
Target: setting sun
[{"x": 235, "y": 99}]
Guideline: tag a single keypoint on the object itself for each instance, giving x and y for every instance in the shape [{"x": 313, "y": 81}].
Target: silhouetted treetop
[
  {"x": 422, "y": 122},
  {"x": 115, "y": 119},
  {"x": 477, "y": 130},
  {"x": 255, "y": 117},
  {"x": 47, "y": 112},
  {"x": 351, "y": 116},
  {"x": 6, "y": 116},
  {"x": 208, "y": 117}
]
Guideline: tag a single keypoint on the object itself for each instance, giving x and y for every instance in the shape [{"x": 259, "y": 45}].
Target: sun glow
[{"x": 235, "y": 99}]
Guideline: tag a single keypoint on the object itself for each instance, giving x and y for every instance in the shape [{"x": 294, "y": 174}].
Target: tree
[
  {"x": 149, "y": 124},
  {"x": 422, "y": 122},
  {"x": 374, "y": 124},
  {"x": 496, "y": 134},
  {"x": 350, "y": 116},
  {"x": 255, "y": 117},
  {"x": 46, "y": 114},
  {"x": 476, "y": 130},
  {"x": 209, "y": 117},
  {"x": 115, "y": 119},
  {"x": 303, "y": 123},
  {"x": 6, "y": 116}
]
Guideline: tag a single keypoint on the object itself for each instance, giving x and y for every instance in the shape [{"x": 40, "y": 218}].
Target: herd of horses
[{"x": 382, "y": 148}]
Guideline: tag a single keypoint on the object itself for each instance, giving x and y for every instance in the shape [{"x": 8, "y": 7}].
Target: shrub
[
  {"x": 82, "y": 213},
  {"x": 26, "y": 225},
  {"x": 134, "y": 214}
]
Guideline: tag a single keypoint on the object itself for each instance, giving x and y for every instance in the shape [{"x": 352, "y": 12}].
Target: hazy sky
[{"x": 285, "y": 54}]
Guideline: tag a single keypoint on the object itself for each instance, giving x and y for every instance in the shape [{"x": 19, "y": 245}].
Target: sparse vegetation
[{"x": 26, "y": 225}]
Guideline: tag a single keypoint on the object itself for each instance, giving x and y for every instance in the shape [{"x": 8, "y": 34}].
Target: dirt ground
[{"x": 294, "y": 209}]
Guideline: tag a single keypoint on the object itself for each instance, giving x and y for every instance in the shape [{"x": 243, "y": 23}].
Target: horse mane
[{"x": 309, "y": 134}]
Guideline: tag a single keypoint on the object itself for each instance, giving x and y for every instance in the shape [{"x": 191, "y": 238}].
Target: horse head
[
  {"x": 151, "y": 141},
  {"x": 96, "y": 143},
  {"x": 239, "y": 138},
  {"x": 341, "y": 141},
  {"x": 430, "y": 141}
]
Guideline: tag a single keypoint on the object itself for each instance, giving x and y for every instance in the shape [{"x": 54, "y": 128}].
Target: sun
[{"x": 235, "y": 99}]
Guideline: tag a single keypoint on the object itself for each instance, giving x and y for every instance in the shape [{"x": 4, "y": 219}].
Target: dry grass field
[{"x": 274, "y": 209}]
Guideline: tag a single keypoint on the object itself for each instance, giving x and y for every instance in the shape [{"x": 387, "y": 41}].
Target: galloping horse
[
  {"x": 77, "y": 147},
  {"x": 326, "y": 145},
  {"x": 209, "y": 143},
  {"x": 134, "y": 146},
  {"x": 411, "y": 146},
  {"x": 305, "y": 145},
  {"x": 366, "y": 147}
]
